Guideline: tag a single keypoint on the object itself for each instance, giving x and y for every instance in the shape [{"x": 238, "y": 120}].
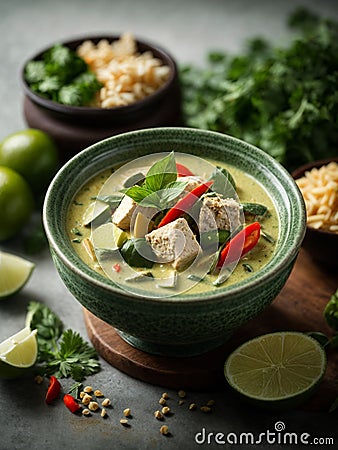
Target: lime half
[
  {"x": 276, "y": 370},
  {"x": 15, "y": 272},
  {"x": 18, "y": 353}
]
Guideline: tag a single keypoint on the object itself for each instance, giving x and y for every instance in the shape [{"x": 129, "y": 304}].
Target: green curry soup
[{"x": 88, "y": 218}]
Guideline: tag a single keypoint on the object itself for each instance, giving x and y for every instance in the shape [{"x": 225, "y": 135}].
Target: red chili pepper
[
  {"x": 71, "y": 403},
  {"x": 183, "y": 171},
  {"x": 185, "y": 203},
  {"x": 117, "y": 267},
  {"x": 53, "y": 390},
  {"x": 240, "y": 244}
]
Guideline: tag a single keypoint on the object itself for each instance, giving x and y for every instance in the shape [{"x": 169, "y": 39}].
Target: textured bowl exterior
[{"x": 185, "y": 324}]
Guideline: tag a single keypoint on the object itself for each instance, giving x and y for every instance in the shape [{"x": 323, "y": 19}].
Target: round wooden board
[{"x": 298, "y": 307}]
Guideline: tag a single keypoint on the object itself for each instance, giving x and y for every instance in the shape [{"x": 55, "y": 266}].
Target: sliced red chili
[
  {"x": 71, "y": 403},
  {"x": 240, "y": 244},
  {"x": 53, "y": 390},
  {"x": 183, "y": 171},
  {"x": 185, "y": 203},
  {"x": 117, "y": 267}
]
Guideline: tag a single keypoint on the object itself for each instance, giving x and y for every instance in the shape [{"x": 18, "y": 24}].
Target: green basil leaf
[
  {"x": 255, "y": 209},
  {"x": 169, "y": 195},
  {"x": 137, "y": 193},
  {"x": 224, "y": 183},
  {"x": 161, "y": 173},
  {"x": 138, "y": 253},
  {"x": 112, "y": 200},
  {"x": 137, "y": 178}
]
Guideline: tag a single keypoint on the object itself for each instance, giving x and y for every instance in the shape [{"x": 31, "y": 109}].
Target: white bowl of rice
[
  {"x": 139, "y": 89},
  {"x": 318, "y": 183}
]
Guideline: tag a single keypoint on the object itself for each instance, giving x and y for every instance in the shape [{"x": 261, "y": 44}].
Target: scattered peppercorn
[
  {"x": 205, "y": 409},
  {"x": 158, "y": 415},
  {"x": 106, "y": 402},
  {"x": 93, "y": 406},
  {"x": 166, "y": 410},
  {"x": 164, "y": 430},
  {"x": 127, "y": 412}
]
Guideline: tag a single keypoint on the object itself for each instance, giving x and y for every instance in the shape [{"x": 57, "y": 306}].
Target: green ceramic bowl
[{"x": 183, "y": 325}]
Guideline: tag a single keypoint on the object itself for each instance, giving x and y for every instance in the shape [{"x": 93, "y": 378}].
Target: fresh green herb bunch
[
  {"x": 331, "y": 312},
  {"x": 62, "y": 76},
  {"x": 60, "y": 353},
  {"x": 284, "y": 100}
]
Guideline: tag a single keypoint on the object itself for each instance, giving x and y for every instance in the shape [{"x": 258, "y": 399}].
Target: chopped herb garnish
[
  {"x": 76, "y": 241},
  {"x": 247, "y": 267},
  {"x": 267, "y": 237},
  {"x": 193, "y": 277},
  {"x": 76, "y": 231},
  {"x": 62, "y": 76},
  {"x": 60, "y": 353}
]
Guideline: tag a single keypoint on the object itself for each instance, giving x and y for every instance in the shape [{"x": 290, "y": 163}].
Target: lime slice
[
  {"x": 18, "y": 353},
  {"x": 15, "y": 272},
  {"x": 276, "y": 370}
]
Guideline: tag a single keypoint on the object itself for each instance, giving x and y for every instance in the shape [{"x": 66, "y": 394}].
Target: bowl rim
[
  {"x": 65, "y": 252},
  {"x": 164, "y": 55},
  {"x": 299, "y": 172}
]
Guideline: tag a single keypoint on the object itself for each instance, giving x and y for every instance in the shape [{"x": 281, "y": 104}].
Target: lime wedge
[
  {"x": 18, "y": 353},
  {"x": 276, "y": 370},
  {"x": 15, "y": 272}
]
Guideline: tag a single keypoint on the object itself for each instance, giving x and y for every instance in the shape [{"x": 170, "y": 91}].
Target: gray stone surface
[{"x": 187, "y": 29}]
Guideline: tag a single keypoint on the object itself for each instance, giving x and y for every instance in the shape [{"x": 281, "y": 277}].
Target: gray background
[{"x": 187, "y": 29}]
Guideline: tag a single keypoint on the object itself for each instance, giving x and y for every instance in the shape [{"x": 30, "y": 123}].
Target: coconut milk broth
[{"x": 248, "y": 190}]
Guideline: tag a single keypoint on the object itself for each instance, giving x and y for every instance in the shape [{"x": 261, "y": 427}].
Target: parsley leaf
[{"x": 60, "y": 353}]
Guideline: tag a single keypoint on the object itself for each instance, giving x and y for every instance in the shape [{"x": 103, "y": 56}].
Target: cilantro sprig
[
  {"x": 160, "y": 186},
  {"x": 284, "y": 100},
  {"x": 63, "y": 76},
  {"x": 60, "y": 353}
]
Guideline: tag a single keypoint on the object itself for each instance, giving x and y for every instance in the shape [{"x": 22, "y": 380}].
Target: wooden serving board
[{"x": 298, "y": 307}]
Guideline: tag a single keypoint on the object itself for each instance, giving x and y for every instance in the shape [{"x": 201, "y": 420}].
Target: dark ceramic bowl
[
  {"x": 185, "y": 324},
  {"x": 75, "y": 128},
  {"x": 321, "y": 245}
]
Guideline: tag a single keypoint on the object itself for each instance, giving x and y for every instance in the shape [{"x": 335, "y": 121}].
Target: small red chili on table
[
  {"x": 71, "y": 403},
  {"x": 53, "y": 390},
  {"x": 240, "y": 244},
  {"x": 185, "y": 203}
]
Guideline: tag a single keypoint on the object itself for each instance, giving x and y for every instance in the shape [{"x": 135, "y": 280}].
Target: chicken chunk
[
  {"x": 174, "y": 243},
  {"x": 220, "y": 213},
  {"x": 125, "y": 214}
]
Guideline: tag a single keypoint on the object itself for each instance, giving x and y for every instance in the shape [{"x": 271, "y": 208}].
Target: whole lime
[
  {"x": 16, "y": 202},
  {"x": 33, "y": 154}
]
